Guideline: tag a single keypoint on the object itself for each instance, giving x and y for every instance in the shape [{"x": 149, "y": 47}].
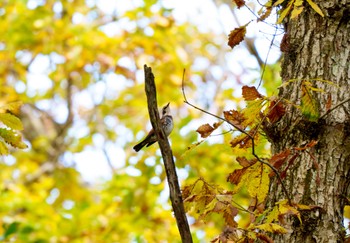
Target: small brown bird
[{"x": 167, "y": 123}]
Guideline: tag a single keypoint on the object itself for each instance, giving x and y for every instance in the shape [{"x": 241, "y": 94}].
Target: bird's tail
[{"x": 140, "y": 145}]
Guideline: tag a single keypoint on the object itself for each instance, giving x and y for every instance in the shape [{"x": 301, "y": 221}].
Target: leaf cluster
[{"x": 254, "y": 175}]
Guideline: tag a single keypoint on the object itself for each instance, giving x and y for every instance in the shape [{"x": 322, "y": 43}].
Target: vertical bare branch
[{"x": 175, "y": 192}]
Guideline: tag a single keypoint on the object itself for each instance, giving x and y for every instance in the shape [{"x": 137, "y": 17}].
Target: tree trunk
[{"x": 316, "y": 47}]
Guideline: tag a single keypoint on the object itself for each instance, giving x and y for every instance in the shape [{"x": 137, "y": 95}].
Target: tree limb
[{"x": 175, "y": 192}]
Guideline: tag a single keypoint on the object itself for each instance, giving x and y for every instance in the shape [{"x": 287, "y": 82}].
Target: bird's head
[{"x": 166, "y": 110}]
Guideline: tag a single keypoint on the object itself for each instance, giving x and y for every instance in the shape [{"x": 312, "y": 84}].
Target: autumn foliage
[{"x": 72, "y": 95}]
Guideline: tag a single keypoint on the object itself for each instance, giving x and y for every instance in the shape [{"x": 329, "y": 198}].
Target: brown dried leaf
[
  {"x": 277, "y": 160},
  {"x": 309, "y": 145},
  {"x": 243, "y": 141},
  {"x": 276, "y": 111},
  {"x": 244, "y": 162},
  {"x": 228, "y": 235},
  {"x": 250, "y": 93},
  {"x": 217, "y": 124},
  {"x": 265, "y": 14},
  {"x": 236, "y": 118},
  {"x": 229, "y": 214},
  {"x": 236, "y": 36},
  {"x": 264, "y": 238},
  {"x": 329, "y": 102},
  {"x": 186, "y": 191},
  {"x": 239, "y": 3},
  {"x": 284, "y": 46},
  {"x": 290, "y": 163},
  {"x": 236, "y": 175},
  {"x": 205, "y": 130}
]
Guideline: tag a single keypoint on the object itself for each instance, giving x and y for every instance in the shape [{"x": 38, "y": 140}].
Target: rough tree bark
[{"x": 316, "y": 47}]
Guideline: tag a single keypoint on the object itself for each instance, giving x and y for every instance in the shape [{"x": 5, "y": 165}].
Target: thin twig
[
  {"x": 335, "y": 107},
  {"x": 267, "y": 57}
]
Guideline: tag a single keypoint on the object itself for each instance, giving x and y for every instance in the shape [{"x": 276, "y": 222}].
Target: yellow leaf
[
  {"x": 273, "y": 228},
  {"x": 315, "y": 7},
  {"x": 258, "y": 182},
  {"x": 297, "y": 8},
  {"x": 252, "y": 111},
  {"x": 298, "y": 3},
  {"x": 278, "y": 2},
  {"x": 296, "y": 11},
  {"x": 12, "y": 106},
  {"x": 303, "y": 207},
  {"x": 11, "y": 121},
  {"x": 3, "y": 148},
  {"x": 309, "y": 106},
  {"x": 273, "y": 215},
  {"x": 286, "y": 209},
  {"x": 285, "y": 12}
]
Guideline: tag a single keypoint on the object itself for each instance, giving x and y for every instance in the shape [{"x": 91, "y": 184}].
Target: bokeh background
[{"x": 77, "y": 65}]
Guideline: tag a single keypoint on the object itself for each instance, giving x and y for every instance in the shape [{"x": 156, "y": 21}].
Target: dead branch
[{"x": 175, "y": 192}]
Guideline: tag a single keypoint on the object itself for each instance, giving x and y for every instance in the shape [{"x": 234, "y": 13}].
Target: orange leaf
[
  {"x": 250, "y": 93},
  {"x": 239, "y": 3},
  {"x": 236, "y": 36}
]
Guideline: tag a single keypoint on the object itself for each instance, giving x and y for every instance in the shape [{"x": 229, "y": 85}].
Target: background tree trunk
[{"x": 316, "y": 47}]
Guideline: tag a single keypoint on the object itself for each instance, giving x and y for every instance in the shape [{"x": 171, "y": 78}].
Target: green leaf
[
  {"x": 11, "y": 121},
  {"x": 12, "y": 228},
  {"x": 12, "y": 138},
  {"x": 315, "y": 7}
]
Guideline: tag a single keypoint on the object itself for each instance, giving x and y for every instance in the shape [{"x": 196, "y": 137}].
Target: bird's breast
[{"x": 168, "y": 125}]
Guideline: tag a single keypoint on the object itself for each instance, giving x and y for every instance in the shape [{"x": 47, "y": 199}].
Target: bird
[{"x": 167, "y": 123}]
